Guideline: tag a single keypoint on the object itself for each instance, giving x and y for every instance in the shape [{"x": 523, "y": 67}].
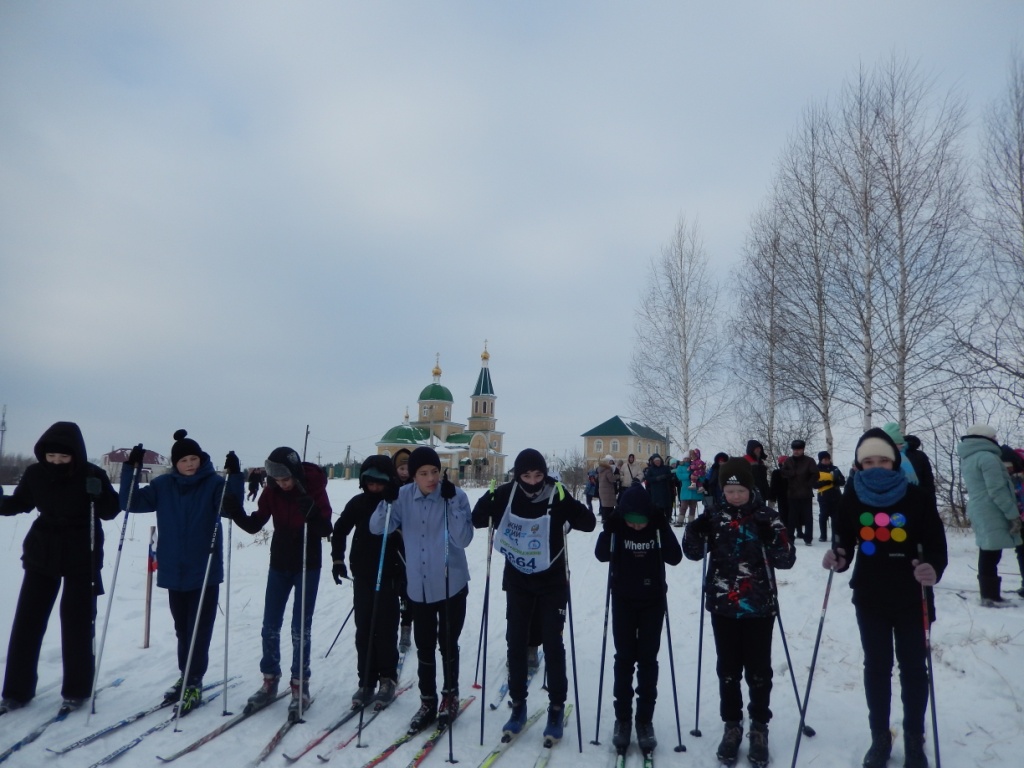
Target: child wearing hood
[
  {"x": 187, "y": 502},
  {"x": 65, "y": 488},
  {"x": 900, "y": 547},
  {"x": 742, "y": 538}
]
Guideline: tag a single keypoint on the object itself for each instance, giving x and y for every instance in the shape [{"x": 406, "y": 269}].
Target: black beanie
[
  {"x": 634, "y": 505},
  {"x": 423, "y": 457},
  {"x": 185, "y": 446},
  {"x": 824, "y": 455},
  {"x": 529, "y": 460},
  {"x": 284, "y": 462},
  {"x": 736, "y": 472}
]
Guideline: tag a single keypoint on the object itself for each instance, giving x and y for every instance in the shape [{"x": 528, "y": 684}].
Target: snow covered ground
[{"x": 978, "y": 657}]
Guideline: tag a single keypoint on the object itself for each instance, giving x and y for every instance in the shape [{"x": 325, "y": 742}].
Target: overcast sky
[{"x": 242, "y": 218}]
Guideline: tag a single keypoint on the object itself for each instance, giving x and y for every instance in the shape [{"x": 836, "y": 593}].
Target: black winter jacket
[
  {"x": 638, "y": 563},
  {"x": 364, "y": 557}
]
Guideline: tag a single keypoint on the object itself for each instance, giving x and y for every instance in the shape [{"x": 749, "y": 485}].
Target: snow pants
[
  {"x": 77, "y": 611},
  {"x": 744, "y": 646},
  {"x": 636, "y": 630}
]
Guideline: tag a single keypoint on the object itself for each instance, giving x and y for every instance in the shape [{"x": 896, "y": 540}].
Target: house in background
[
  {"x": 620, "y": 438},
  {"x": 153, "y": 464}
]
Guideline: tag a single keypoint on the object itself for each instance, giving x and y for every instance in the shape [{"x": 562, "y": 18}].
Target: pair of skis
[
  {"x": 424, "y": 750},
  {"x": 38, "y": 731},
  {"x": 507, "y": 739},
  {"x": 621, "y": 756}
]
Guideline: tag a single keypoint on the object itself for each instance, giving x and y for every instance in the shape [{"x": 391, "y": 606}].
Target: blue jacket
[{"x": 186, "y": 517}]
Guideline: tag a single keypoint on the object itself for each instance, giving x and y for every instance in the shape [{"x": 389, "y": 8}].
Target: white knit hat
[{"x": 981, "y": 430}]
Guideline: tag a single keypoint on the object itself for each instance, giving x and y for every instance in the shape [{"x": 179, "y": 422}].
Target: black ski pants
[
  {"x": 801, "y": 516},
  {"x": 186, "y": 613},
  {"x": 636, "y": 630},
  {"x": 744, "y": 647},
  {"x": 431, "y": 625},
  {"x": 528, "y": 612},
  {"x": 381, "y": 648},
  {"x": 882, "y": 627},
  {"x": 77, "y": 611}
]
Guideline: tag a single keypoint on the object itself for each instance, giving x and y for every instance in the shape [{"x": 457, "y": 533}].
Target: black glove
[
  {"x": 93, "y": 486},
  {"x": 390, "y": 492},
  {"x": 309, "y": 508},
  {"x": 340, "y": 572},
  {"x": 701, "y": 525},
  {"x": 763, "y": 521},
  {"x": 231, "y": 464},
  {"x": 447, "y": 488},
  {"x": 137, "y": 455}
]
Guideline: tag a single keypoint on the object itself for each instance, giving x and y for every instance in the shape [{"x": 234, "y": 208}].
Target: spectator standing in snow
[
  {"x": 892, "y": 429},
  {"x": 801, "y": 473},
  {"x": 256, "y": 480},
  {"x": 921, "y": 463},
  {"x": 690, "y": 474},
  {"x": 607, "y": 486},
  {"x": 755, "y": 457},
  {"x": 296, "y": 500},
  {"x": 1014, "y": 464},
  {"x": 631, "y": 472},
  {"x": 887, "y": 519},
  {"x": 712, "y": 490},
  {"x": 591, "y": 489},
  {"x": 65, "y": 488},
  {"x": 639, "y": 543},
  {"x": 676, "y": 486},
  {"x": 435, "y": 520},
  {"x": 187, "y": 502},
  {"x": 740, "y": 536},
  {"x": 991, "y": 507},
  {"x": 376, "y": 653},
  {"x": 659, "y": 484},
  {"x": 530, "y": 517},
  {"x": 830, "y": 480}
]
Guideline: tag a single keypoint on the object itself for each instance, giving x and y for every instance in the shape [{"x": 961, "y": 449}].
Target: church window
[
  {"x": 447, "y": 414},
  {"x": 598, "y": 446},
  {"x": 615, "y": 446},
  {"x": 426, "y": 411}
]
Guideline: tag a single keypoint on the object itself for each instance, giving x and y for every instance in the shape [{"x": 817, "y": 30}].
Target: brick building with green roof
[{"x": 619, "y": 438}]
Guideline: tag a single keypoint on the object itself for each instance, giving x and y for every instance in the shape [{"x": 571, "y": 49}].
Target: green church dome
[{"x": 437, "y": 391}]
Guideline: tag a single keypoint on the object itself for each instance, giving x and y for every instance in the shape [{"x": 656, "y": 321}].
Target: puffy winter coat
[
  {"x": 686, "y": 493},
  {"x": 606, "y": 485},
  {"x": 801, "y": 473},
  {"x": 659, "y": 484},
  {"x": 991, "y": 505},
  {"x": 364, "y": 556},
  {"x": 58, "y": 541}
]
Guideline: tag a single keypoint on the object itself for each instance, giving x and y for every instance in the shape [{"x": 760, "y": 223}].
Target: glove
[
  {"x": 763, "y": 522},
  {"x": 231, "y": 465},
  {"x": 390, "y": 492},
  {"x": 340, "y": 572},
  {"x": 835, "y": 560},
  {"x": 309, "y": 508},
  {"x": 701, "y": 525},
  {"x": 93, "y": 486},
  {"x": 137, "y": 455},
  {"x": 447, "y": 488},
  {"x": 924, "y": 573}
]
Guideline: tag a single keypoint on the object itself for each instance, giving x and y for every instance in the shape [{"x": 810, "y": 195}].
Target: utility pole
[
  {"x": 305, "y": 443},
  {"x": 3, "y": 432}
]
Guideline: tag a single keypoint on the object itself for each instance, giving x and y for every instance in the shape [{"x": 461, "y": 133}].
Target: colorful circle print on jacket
[{"x": 881, "y": 527}]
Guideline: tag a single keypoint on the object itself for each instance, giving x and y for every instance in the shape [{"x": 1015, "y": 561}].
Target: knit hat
[
  {"x": 876, "y": 442},
  {"x": 400, "y": 458},
  {"x": 377, "y": 469},
  {"x": 798, "y": 445},
  {"x": 981, "y": 430},
  {"x": 528, "y": 460},
  {"x": 185, "y": 446},
  {"x": 736, "y": 472},
  {"x": 824, "y": 455},
  {"x": 282, "y": 463},
  {"x": 635, "y": 504},
  {"x": 892, "y": 429},
  {"x": 423, "y": 457}
]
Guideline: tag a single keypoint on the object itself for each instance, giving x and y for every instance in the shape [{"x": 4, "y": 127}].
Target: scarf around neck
[{"x": 880, "y": 487}]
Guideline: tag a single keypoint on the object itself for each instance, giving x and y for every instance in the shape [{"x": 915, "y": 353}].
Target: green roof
[
  {"x": 483, "y": 384},
  {"x": 436, "y": 391},
  {"x": 404, "y": 434},
  {"x": 459, "y": 438},
  {"x": 616, "y": 427}
]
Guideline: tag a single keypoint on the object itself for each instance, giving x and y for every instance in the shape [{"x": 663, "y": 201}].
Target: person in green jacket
[{"x": 991, "y": 507}]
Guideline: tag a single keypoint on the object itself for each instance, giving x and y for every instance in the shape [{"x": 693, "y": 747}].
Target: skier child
[
  {"x": 886, "y": 518},
  {"x": 296, "y": 499},
  {"x": 65, "y": 488},
  {"x": 434, "y": 517},
  {"x": 638, "y": 542},
  {"x": 740, "y": 535},
  {"x": 187, "y": 502},
  {"x": 530, "y": 516}
]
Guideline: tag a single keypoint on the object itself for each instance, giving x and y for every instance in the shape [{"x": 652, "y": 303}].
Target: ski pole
[
  {"x": 572, "y": 642},
  {"x": 680, "y": 747},
  {"x": 448, "y": 632},
  {"x": 928, "y": 650},
  {"x": 349, "y": 616},
  {"x": 110, "y": 597},
  {"x": 700, "y": 640},
  {"x": 227, "y": 616},
  {"x": 482, "y": 645},
  {"x": 808, "y": 731},
  {"x": 303, "y": 633},
  {"x": 604, "y": 639},
  {"x": 199, "y": 605},
  {"x": 373, "y": 619},
  {"x": 92, "y": 483},
  {"x": 814, "y": 660}
]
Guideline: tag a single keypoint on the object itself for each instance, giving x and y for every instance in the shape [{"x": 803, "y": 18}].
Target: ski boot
[
  {"x": 173, "y": 694},
  {"x": 362, "y": 697},
  {"x": 645, "y": 738},
  {"x": 448, "y": 709},
  {"x": 621, "y": 734},
  {"x": 193, "y": 698},
  {"x": 385, "y": 693},
  {"x": 913, "y": 751},
  {"x": 300, "y": 698},
  {"x": 757, "y": 753},
  {"x": 425, "y": 715},
  {"x": 516, "y": 721},
  {"x": 264, "y": 695},
  {"x": 729, "y": 747},
  {"x": 878, "y": 753},
  {"x": 553, "y": 730},
  {"x": 70, "y": 704},
  {"x": 9, "y": 705}
]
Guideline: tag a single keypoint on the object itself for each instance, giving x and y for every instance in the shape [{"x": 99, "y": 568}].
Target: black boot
[
  {"x": 991, "y": 588},
  {"x": 622, "y": 734},
  {"x": 729, "y": 747},
  {"x": 881, "y": 747},
  {"x": 645, "y": 738},
  {"x": 425, "y": 715},
  {"x": 758, "y": 752},
  {"x": 913, "y": 751}
]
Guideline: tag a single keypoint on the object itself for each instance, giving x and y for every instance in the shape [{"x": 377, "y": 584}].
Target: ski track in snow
[{"x": 977, "y": 656}]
